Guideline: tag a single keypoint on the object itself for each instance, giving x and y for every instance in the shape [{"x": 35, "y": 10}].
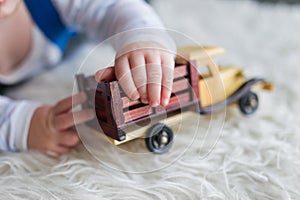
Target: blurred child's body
[{"x": 31, "y": 42}]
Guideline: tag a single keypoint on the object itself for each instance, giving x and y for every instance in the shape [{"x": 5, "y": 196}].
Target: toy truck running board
[
  {"x": 242, "y": 91},
  {"x": 172, "y": 121}
]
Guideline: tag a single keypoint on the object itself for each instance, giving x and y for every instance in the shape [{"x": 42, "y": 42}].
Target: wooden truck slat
[
  {"x": 180, "y": 85},
  {"x": 132, "y": 115},
  {"x": 133, "y": 107},
  {"x": 178, "y": 100},
  {"x": 128, "y": 103},
  {"x": 180, "y": 71}
]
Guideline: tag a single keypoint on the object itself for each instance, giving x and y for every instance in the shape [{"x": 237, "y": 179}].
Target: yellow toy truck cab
[{"x": 219, "y": 85}]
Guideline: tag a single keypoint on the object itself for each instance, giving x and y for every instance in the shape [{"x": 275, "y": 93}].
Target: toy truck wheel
[
  {"x": 159, "y": 138},
  {"x": 248, "y": 103}
]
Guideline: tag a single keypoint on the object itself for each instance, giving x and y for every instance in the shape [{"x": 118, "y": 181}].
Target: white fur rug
[{"x": 255, "y": 157}]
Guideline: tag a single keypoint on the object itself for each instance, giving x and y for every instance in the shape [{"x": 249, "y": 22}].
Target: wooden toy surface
[{"x": 196, "y": 53}]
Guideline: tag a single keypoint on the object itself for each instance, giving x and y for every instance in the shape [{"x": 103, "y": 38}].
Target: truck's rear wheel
[
  {"x": 249, "y": 103},
  {"x": 159, "y": 138}
]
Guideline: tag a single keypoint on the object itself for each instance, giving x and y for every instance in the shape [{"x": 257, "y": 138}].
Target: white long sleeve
[
  {"x": 15, "y": 117},
  {"x": 101, "y": 19}
]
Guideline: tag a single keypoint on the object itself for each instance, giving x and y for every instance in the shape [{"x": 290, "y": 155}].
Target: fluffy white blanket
[{"x": 255, "y": 157}]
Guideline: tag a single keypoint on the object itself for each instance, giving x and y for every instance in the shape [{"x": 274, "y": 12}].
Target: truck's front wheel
[
  {"x": 248, "y": 103},
  {"x": 159, "y": 138}
]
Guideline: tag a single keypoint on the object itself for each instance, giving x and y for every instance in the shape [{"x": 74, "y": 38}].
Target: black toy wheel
[
  {"x": 248, "y": 103},
  {"x": 159, "y": 138}
]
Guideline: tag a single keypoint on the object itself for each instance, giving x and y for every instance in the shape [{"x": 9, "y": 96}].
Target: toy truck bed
[{"x": 118, "y": 115}]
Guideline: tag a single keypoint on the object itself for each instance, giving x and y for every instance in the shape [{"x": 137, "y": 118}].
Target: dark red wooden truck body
[{"x": 116, "y": 113}]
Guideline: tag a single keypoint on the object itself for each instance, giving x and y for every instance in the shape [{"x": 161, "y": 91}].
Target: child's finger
[
  {"x": 59, "y": 149},
  {"x": 67, "y": 120},
  {"x": 107, "y": 74},
  {"x": 124, "y": 77},
  {"x": 167, "y": 78},
  {"x": 68, "y": 138},
  {"x": 56, "y": 149},
  {"x": 66, "y": 104},
  {"x": 139, "y": 74},
  {"x": 154, "y": 78}
]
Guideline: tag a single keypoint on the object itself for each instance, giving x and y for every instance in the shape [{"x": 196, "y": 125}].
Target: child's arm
[
  {"x": 101, "y": 19},
  {"x": 25, "y": 125},
  {"x": 14, "y": 122}
]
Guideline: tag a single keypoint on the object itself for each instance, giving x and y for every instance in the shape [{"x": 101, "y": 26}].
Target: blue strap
[{"x": 45, "y": 15}]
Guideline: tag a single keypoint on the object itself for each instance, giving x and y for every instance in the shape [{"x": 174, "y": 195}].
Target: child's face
[{"x": 7, "y": 7}]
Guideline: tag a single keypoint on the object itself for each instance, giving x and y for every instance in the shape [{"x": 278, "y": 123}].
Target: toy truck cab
[{"x": 220, "y": 86}]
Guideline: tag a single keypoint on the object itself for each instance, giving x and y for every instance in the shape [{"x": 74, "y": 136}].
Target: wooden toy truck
[{"x": 199, "y": 85}]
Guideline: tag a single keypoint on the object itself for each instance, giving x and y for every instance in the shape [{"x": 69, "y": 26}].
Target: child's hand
[
  {"x": 145, "y": 70},
  {"x": 52, "y": 127}
]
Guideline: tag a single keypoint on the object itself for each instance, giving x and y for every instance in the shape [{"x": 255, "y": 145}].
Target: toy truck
[{"x": 199, "y": 85}]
